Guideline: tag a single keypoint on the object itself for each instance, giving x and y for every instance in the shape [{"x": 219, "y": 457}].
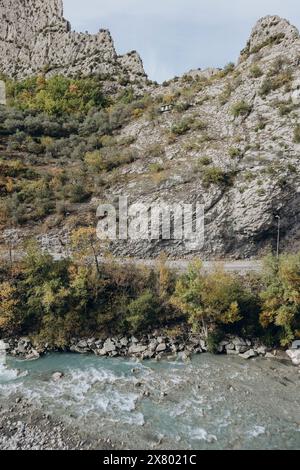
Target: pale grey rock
[
  {"x": 242, "y": 349},
  {"x": 239, "y": 342},
  {"x": 269, "y": 355},
  {"x": 33, "y": 355},
  {"x": 261, "y": 350},
  {"x": 137, "y": 349},
  {"x": 231, "y": 352},
  {"x": 109, "y": 346},
  {"x": 124, "y": 342},
  {"x": 184, "y": 356},
  {"x": 3, "y": 346},
  {"x": 249, "y": 354},
  {"x": 153, "y": 345},
  {"x": 240, "y": 345},
  {"x": 294, "y": 355},
  {"x": 161, "y": 347},
  {"x": 57, "y": 376}
]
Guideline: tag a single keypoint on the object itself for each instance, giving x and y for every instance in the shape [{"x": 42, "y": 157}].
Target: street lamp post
[{"x": 278, "y": 234}]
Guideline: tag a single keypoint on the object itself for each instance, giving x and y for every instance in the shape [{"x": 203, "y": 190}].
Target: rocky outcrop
[
  {"x": 268, "y": 31},
  {"x": 35, "y": 37}
]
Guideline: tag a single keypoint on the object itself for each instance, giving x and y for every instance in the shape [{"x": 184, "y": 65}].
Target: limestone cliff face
[
  {"x": 250, "y": 129},
  {"x": 35, "y": 37},
  {"x": 236, "y": 148}
]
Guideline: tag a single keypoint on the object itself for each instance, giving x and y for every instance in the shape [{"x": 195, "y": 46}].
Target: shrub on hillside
[
  {"x": 216, "y": 176},
  {"x": 297, "y": 134},
  {"x": 241, "y": 108},
  {"x": 56, "y": 95}
]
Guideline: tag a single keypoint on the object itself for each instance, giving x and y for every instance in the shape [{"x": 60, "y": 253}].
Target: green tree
[
  {"x": 143, "y": 312},
  {"x": 281, "y": 296},
  {"x": 208, "y": 300}
]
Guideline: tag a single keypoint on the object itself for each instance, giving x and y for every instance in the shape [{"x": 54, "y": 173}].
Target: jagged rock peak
[
  {"x": 35, "y": 37},
  {"x": 271, "y": 30}
]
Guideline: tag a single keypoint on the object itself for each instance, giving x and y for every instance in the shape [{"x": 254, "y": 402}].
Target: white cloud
[{"x": 173, "y": 36}]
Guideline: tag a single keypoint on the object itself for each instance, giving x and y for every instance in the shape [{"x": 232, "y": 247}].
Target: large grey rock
[
  {"x": 82, "y": 344},
  {"x": 161, "y": 347},
  {"x": 231, "y": 352},
  {"x": 33, "y": 355},
  {"x": 261, "y": 350},
  {"x": 238, "y": 342},
  {"x": 124, "y": 342},
  {"x": 109, "y": 346},
  {"x": 294, "y": 355},
  {"x": 3, "y": 346},
  {"x": 137, "y": 349},
  {"x": 249, "y": 354},
  {"x": 57, "y": 376}
]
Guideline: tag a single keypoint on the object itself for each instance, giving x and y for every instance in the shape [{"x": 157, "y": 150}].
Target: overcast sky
[{"x": 174, "y": 36}]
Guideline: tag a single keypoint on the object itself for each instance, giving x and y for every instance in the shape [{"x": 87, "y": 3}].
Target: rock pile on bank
[{"x": 151, "y": 346}]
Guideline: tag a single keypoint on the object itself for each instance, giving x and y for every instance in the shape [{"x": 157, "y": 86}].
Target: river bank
[
  {"x": 24, "y": 426},
  {"x": 155, "y": 346}
]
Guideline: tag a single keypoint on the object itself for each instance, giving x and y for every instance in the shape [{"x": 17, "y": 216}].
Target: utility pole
[{"x": 278, "y": 234}]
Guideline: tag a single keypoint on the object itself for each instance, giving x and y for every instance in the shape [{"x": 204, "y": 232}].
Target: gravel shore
[{"x": 23, "y": 427}]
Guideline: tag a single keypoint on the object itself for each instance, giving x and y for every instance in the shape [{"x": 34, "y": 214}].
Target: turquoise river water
[{"x": 213, "y": 402}]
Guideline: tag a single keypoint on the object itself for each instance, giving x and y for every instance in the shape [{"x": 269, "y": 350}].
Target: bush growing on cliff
[
  {"x": 241, "y": 109},
  {"x": 216, "y": 176},
  {"x": 256, "y": 71},
  {"x": 181, "y": 127},
  {"x": 297, "y": 134}
]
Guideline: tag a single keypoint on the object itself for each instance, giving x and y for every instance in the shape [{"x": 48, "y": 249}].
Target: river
[{"x": 213, "y": 402}]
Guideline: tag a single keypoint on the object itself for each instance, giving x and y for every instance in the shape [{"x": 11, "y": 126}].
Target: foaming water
[{"x": 214, "y": 402}]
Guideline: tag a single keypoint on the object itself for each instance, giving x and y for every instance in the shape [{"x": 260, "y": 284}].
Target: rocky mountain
[
  {"x": 229, "y": 138},
  {"x": 232, "y": 142},
  {"x": 35, "y": 37}
]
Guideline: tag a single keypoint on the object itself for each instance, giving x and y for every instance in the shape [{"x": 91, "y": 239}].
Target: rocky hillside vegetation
[{"x": 229, "y": 138}]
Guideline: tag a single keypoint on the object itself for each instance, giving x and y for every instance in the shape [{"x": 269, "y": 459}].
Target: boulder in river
[{"x": 57, "y": 376}]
